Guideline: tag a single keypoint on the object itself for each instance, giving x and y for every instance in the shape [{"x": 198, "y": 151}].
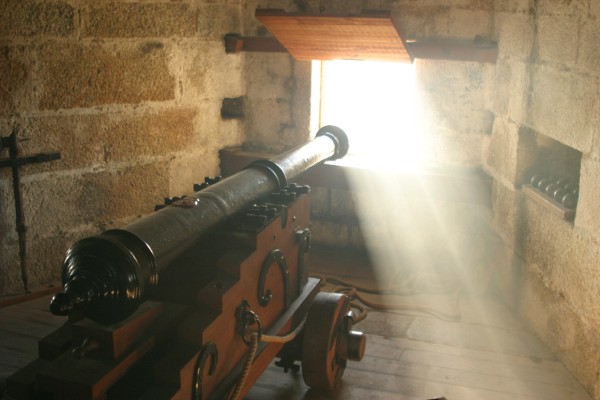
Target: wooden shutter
[{"x": 371, "y": 36}]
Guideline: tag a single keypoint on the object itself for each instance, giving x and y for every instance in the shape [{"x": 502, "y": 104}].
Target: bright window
[{"x": 374, "y": 103}]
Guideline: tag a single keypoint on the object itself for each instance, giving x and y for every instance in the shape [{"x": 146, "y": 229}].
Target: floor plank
[{"x": 477, "y": 337}]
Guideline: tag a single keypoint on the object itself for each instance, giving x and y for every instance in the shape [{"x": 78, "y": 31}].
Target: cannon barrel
[{"x": 107, "y": 276}]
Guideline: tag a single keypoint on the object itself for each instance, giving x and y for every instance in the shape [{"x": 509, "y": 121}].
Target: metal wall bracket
[{"x": 14, "y": 161}]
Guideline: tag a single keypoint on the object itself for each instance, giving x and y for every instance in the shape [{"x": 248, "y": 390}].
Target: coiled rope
[{"x": 413, "y": 284}]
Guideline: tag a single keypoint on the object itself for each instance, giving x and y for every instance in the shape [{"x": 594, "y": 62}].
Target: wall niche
[{"x": 551, "y": 177}]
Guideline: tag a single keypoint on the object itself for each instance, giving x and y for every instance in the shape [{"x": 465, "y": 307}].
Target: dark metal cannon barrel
[{"x": 107, "y": 276}]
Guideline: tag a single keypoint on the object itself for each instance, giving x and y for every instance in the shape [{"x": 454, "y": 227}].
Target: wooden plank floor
[
  {"x": 486, "y": 354},
  {"x": 417, "y": 358}
]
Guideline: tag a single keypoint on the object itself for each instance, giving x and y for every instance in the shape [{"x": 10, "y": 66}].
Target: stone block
[
  {"x": 485, "y": 150},
  {"x": 530, "y": 161},
  {"x": 566, "y": 257},
  {"x": 563, "y": 106},
  {"x": 101, "y": 74},
  {"x": 231, "y": 134},
  {"x": 36, "y": 18},
  {"x": 62, "y": 202},
  {"x": 511, "y": 89},
  {"x": 336, "y": 8},
  {"x": 489, "y": 77},
  {"x": 294, "y": 134},
  {"x": 270, "y": 75},
  {"x": 544, "y": 237},
  {"x": 266, "y": 120},
  {"x": 450, "y": 97},
  {"x": 252, "y": 26},
  {"x": 456, "y": 150},
  {"x": 502, "y": 93},
  {"x": 456, "y": 121},
  {"x": 444, "y": 101},
  {"x": 460, "y": 4},
  {"x": 189, "y": 169},
  {"x": 10, "y": 273},
  {"x": 515, "y": 35},
  {"x": 90, "y": 140},
  {"x": 596, "y": 135},
  {"x": 320, "y": 201},
  {"x": 450, "y": 76},
  {"x": 138, "y": 19},
  {"x": 357, "y": 239},
  {"x": 45, "y": 257},
  {"x": 16, "y": 66},
  {"x": 594, "y": 9},
  {"x": 143, "y": 136},
  {"x": 417, "y": 21},
  {"x": 207, "y": 72},
  {"x": 330, "y": 233},
  {"x": 342, "y": 204},
  {"x": 562, "y": 8},
  {"x": 469, "y": 23},
  {"x": 588, "y": 213},
  {"x": 270, "y": 123},
  {"x": 214, "y": 20},
  {"x": 557, "y": 38},
  {"x": 588, "y": 50},
  {"x": 507, "y": 275},
  {"x": 502, "y": 153},
  {"x": 506, "y": 209},
  {"x": 569, "y": 335},
  {"x": 7, "y": 210},
  {"x": 513, "y": 6},
  {"x": 300, "y": 131},
  {"x": 213, "y": 132},
  {"x": 435, "y": 117}
]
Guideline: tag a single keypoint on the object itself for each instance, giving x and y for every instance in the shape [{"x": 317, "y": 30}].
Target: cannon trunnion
[{"x": 157, "y": 313}]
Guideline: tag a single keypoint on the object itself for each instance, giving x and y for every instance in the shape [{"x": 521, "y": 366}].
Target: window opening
[{"x": 375, "y": 103}]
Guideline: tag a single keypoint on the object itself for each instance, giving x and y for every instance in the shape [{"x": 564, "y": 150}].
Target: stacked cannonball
[{"x": 561, "y": 189}]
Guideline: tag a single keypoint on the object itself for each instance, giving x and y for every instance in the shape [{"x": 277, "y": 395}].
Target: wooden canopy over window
[{"x": 371, "y": 36}]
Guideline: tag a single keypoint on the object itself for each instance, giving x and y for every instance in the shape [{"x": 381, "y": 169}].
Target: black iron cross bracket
[{"x": 14, "y": 162}]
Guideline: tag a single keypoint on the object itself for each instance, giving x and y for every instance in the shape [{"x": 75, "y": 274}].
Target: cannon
[{"x": 196, "y": 299}]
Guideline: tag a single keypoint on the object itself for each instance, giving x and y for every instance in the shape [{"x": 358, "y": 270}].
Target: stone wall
[
  {"x": 129, "y": 93},
  {"x": 547, "y": 91}
]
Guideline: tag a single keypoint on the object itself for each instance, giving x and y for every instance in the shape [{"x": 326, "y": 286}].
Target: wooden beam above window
[
  {"x": 427, "y": 50},
  {"x": 367, "y": 36}
]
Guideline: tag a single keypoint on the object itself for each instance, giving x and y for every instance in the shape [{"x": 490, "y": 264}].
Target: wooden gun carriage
[{"x": 197, "y": 299}]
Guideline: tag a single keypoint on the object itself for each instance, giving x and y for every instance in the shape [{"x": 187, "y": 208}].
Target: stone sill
[
  {"x": 465, "y": 185},
  {"x": 548, "y": 203}
]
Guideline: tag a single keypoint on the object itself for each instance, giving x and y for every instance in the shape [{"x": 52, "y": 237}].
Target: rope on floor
[{"x": 408, "y": 286}]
